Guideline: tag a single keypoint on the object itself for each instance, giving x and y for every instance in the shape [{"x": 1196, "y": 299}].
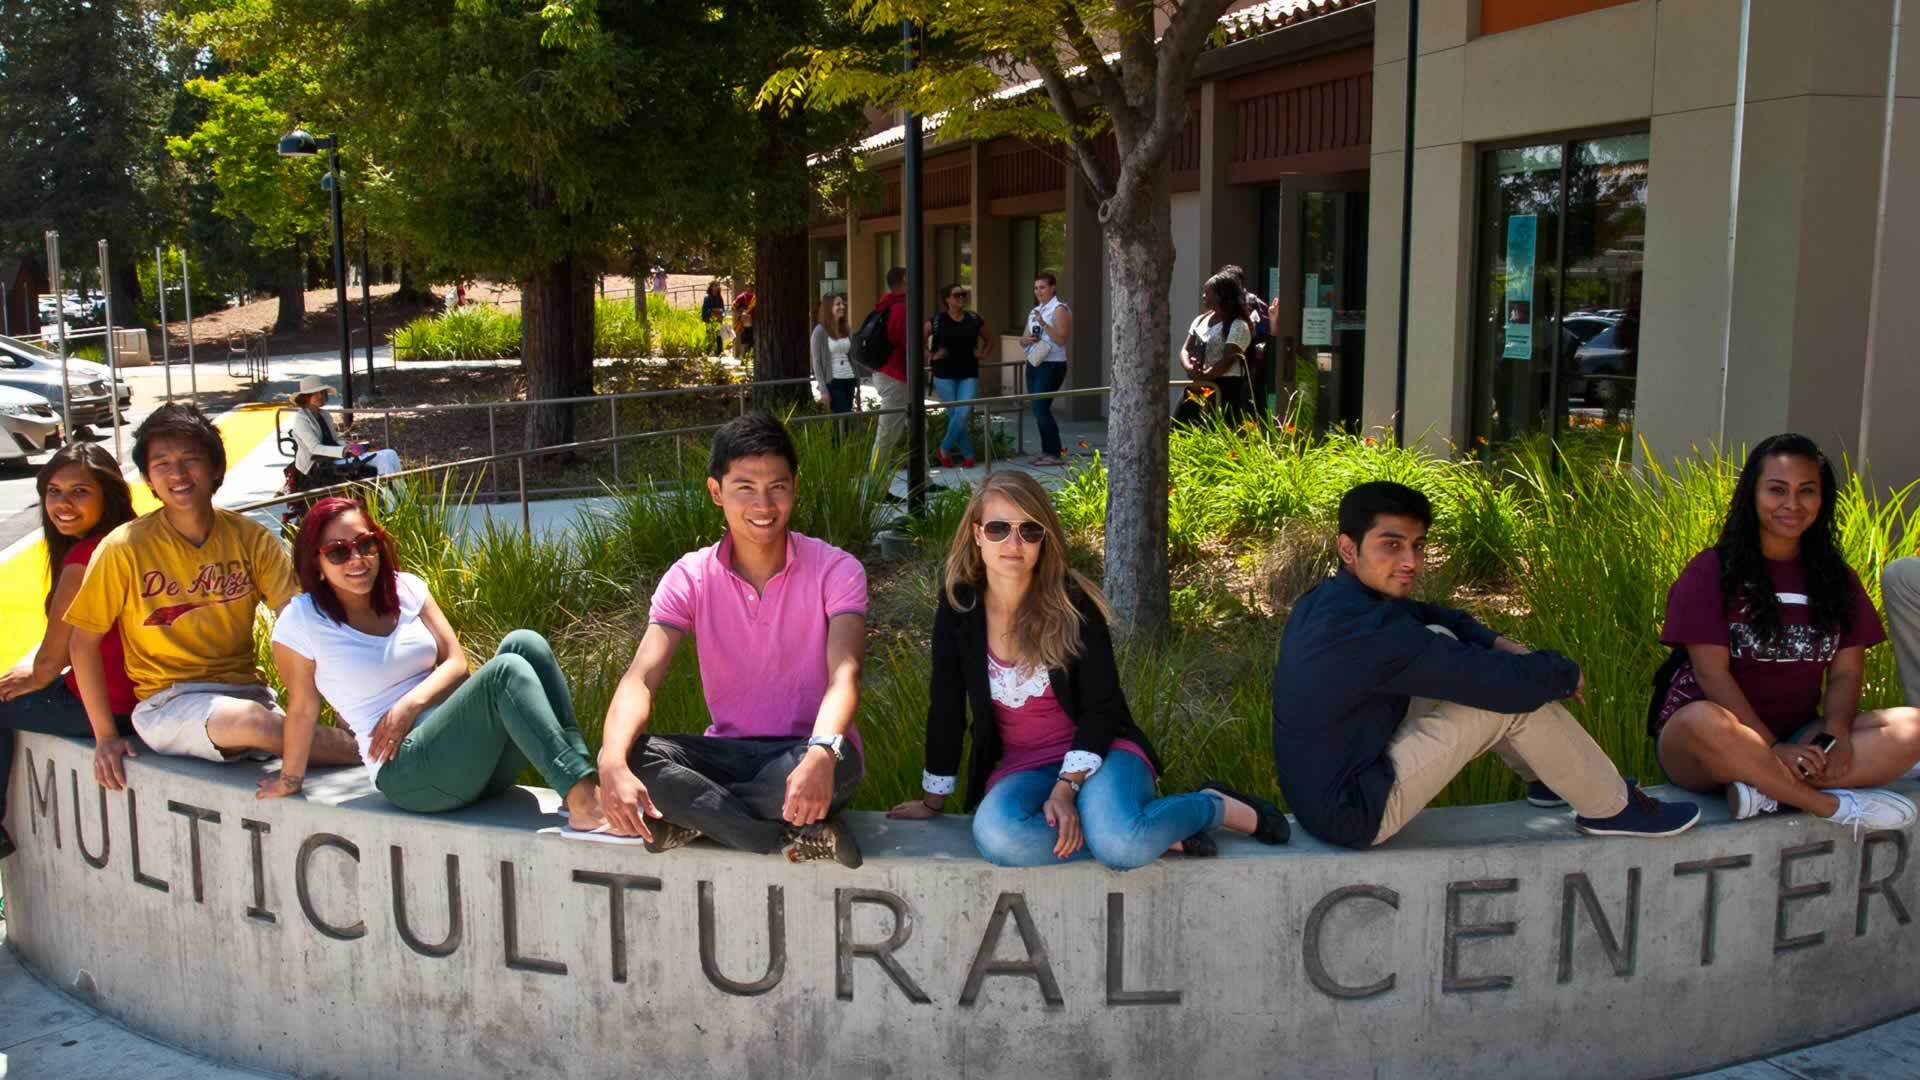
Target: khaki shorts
[{"x": 174, "y": 721}]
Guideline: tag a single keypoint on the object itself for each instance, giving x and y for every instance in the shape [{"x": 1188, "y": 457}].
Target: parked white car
[
  {"x": 34, "y": 369},
  {"x": 28, "y": 425}
]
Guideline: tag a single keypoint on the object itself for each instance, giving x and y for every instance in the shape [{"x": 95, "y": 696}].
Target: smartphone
[{"x": 1823, "y": 742}]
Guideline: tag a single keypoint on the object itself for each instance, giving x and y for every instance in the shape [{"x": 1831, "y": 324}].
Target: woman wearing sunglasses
[
  {"x": 372, "y": 641},
  {"x": 1059, "y": 770}
]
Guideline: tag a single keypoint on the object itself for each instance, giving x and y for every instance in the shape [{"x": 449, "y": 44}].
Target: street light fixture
[{"x": 298, "y": 143}]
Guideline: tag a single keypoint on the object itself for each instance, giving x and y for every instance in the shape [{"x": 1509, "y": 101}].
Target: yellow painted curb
[{"x": 23, "y": 578}]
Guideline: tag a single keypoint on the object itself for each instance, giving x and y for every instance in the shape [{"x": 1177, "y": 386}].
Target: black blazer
[{"x": 1088, "y": 690}]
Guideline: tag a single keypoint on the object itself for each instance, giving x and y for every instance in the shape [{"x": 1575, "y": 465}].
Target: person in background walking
[
  {"x": 1049, "y": 331},
  {"x": 713, "y": 311},
  {"x": 1214, "y": 355},
  {"x": 1260, "y": 324},
  {"x": 834, "y": 381},
  {"x": 890, "y": 382},
  {"x": 743, "y": 302},
  {"x": 956, "y": 343}
]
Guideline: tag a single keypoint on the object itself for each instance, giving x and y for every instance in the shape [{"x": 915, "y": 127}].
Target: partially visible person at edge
[
  {"x": 956, "y": 343},
  {"x": 890, "y": 382},
  {"x": 780, "y": 622},
  {"x": 1900, "y": 592},
  {"x": 83, "y": 497},
  {"x": 1059, "y": 770},
  {"x": 1380, "y": 700},
  {"x": 835, "y": 383},
  {"x": 1049, "y": 331},
  {"x": 713, "y": 311},
  {"x": 1759, "y": 624},
  {"x": 319, "y": 459},
  {"x": 182, "y": 584},
  {"x": 1259, "y": 351},
  {"x": 372, "y": 640},
  {"x": 743, "y": 304},
  {"x": 1214, "y": 355}
]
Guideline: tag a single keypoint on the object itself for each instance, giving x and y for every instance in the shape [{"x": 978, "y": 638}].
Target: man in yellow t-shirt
[{"x": 183, "y": 584}]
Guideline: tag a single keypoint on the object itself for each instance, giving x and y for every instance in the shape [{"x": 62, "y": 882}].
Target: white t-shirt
[
  {"x": 837, "y": 350},
  {"x": 1217, "y": 337},
  {"x": 362, "y": 676},
  {"x": 1042, "y": 317}
]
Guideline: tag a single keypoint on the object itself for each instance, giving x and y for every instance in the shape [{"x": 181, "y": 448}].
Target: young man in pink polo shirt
[{"x": 781, "y": 622}]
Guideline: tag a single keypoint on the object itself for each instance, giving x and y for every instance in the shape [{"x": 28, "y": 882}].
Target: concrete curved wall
[{"x": 334, "y": 936}]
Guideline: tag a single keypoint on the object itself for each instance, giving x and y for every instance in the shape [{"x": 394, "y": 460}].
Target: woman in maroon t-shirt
[
  {"x": 1059, "y": 770},
  {"x": 83, "y": 497},
  {"x": 1771, "y": 629}
]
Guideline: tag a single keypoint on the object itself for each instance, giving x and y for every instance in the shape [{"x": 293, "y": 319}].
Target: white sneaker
[
  {"x": 1873, "y": 808},
  {"x": 1745, "y": 801}
]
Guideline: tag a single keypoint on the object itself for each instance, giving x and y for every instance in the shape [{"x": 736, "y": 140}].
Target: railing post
[
  {"x": 988, "y": 456},
  {"x": 493, "y": 451},
  {"x": 1020, "y": 415},
  {"x": 613, "y": 432},
  {"x": 526, "y": 518}
]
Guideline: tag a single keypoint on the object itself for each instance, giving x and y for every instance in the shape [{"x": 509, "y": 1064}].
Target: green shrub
[{"x": 483, "y": 332}]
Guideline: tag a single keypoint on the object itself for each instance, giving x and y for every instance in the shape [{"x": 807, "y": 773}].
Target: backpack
[
  {"x": 871, "y": 347},
  {"x": 1662, "y": 682}
]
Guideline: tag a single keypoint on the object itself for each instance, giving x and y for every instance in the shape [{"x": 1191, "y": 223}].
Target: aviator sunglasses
[
  {"x": 366, "y": 546},
  {"x": 1031, "y": 532}
]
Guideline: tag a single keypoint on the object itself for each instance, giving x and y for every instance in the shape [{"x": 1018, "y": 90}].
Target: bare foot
[{"x": 583, "y": 806}]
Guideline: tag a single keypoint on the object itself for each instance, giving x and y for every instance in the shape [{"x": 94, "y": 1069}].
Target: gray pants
[
  {"x": 1900, "y": 593},
  {"x": 732, "y": 790}
]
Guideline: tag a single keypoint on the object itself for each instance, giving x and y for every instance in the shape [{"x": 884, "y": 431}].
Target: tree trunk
[
  {"x": 638, "y": 258},
  {"x": 1139, "y": 245},
  {"x": 556, "y": 345},
  {"x": 409, "y": 294},
  {"x": 126, "y": 293},
  {"x": 782, "y": 314},
  {"x": 292, "y": 289}
]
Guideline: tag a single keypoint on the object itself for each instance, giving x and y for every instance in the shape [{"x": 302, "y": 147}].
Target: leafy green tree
[
  {"x": 82, "y": 102},
  {"x": 1118, "y": 66}
]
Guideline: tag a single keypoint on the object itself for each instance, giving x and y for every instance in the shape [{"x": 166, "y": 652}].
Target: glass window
[
  {"x": 952, "y": 256},
  {"x": 1036, "y": 244},
  {"x": 830, "y": 266},
  {"x": 886, "y": 256},
  {"x": 1562, "y": 250}
]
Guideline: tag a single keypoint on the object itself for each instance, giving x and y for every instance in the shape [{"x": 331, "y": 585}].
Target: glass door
[
  {"x": 1333, "y": 309},
  {"x": 1562, "y": 255}
]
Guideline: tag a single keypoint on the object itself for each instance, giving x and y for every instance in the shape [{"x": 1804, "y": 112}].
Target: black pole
[
  {"x": 911, "y": 216},
  {"x": 1406, "y": 225},
  {"x": 366, "y": 304},
  {"x": 340, "y": 274}
]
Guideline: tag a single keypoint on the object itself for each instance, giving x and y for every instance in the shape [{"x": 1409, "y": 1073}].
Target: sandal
[
  {"x": 1272, "y": 828},
  {"x": 1046, "y": 462}
]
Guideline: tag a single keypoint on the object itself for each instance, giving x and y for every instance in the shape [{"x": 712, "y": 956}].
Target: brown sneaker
[
  {"x": 829, "y": 839},
  {"x": 667, "y": 836}
]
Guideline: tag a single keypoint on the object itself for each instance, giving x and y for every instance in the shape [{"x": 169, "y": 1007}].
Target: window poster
[{"x": 1522, "y": 231}]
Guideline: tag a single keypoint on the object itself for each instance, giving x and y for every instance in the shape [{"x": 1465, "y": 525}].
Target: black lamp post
[{"x": 297, "y": 143}]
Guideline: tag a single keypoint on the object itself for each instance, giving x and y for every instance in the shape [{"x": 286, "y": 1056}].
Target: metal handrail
[{"x": 520, "y": 457}]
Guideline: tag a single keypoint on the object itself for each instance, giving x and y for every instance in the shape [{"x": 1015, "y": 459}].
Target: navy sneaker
[
  {"x": 1540, "y": 794},
  {"x": 1644, "y": 816}
]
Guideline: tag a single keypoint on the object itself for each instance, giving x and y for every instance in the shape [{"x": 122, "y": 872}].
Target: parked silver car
[
  {"x": 28, "y": 425},
  {"x": 35, "y": 370}
]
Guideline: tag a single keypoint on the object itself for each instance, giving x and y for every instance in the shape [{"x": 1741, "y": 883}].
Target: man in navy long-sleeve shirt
[{"x": 1380, "y": 700}]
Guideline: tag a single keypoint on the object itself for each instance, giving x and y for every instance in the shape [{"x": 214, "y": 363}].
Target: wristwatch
[
  {"x": 1070, "y": 782},
  {"x": 835, "y": 745}
]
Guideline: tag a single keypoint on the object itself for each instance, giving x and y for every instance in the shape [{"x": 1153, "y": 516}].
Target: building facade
[{"x": 1675, "y": 222}]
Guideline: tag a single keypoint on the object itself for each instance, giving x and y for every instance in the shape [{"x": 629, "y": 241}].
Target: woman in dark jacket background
[{"x": 1059, "y": 769}]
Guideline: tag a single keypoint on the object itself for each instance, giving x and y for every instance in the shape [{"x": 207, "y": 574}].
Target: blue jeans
[
  {"x": 51, "y": 711},
  {"x": 1044, "y": 379},
  {"x": 840, "y": 394},
  {"x": 958, "y": 441},
  {"x": 1124, "y": 825}
]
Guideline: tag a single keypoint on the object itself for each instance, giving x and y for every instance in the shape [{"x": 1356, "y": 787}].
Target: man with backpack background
[{"x": 886, "y": 326}]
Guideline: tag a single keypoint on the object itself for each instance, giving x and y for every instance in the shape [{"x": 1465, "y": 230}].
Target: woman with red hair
[{"x": 371, "y": 640}]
